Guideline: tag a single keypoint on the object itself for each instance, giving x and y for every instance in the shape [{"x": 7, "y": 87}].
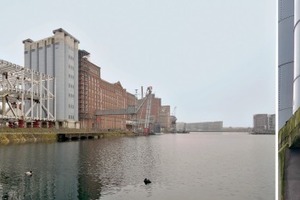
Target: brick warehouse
[{"x": 96, "y": 93}]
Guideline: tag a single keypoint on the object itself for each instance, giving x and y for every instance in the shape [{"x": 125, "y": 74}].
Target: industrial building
[
  {"x": 105, "y": 106},
  {"x": 98, "y": 94},
  {"x": 200, "y": 126},
  {"x": 64, "y": 87},
  {"x": 58, "y": 56},
  {"x": 165, "y": 119}
]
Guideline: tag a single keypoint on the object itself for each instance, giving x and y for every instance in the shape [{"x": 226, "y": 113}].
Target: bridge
[
  {"x": 25, "y": 95},
  {"x": 289, "y": 158},
  {"x": 134, "y": 110}
]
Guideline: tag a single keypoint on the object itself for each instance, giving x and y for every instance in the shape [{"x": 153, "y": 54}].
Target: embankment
[{"x": 8, "y": 135}]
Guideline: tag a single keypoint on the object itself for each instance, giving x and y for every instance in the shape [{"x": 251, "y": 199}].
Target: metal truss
[{"x": 25, "y": 94}]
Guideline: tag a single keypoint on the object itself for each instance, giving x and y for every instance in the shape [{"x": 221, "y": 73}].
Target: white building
[{"x": 58, "y": 56}]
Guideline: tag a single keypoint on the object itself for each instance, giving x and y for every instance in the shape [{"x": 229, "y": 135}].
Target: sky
[{"x": 212, "y": 60}]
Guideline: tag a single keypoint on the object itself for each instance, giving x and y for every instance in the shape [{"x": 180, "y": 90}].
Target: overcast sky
[{"x": 213, "y": 60}]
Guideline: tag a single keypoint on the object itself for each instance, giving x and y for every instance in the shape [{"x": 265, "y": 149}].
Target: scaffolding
[{"x": 26, "y": 95}]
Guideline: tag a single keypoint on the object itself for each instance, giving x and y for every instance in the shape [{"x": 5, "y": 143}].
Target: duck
[
  {"x": 29, "y": 173},
  {"x": 147, "y": 181}
]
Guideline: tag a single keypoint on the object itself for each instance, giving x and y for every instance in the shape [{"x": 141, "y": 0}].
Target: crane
[{"x": 148, "y": 110}]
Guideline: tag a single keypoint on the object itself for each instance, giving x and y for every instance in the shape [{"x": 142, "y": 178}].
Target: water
[{"x": 227, "y": 166}]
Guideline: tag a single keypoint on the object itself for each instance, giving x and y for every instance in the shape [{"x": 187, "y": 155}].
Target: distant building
[
  {"x": 264, "y": 122},
  {"x": 165, "y": 119},
  {"x": 260, "y": 121},
  {"x": 271, "y": 122},
  {"x": 201, "y": 126},
  {"x": 58, "y": 56}
]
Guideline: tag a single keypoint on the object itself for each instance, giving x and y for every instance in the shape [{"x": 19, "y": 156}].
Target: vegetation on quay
[
  {"x": 23, "y": 135},
  {"x": 288, "y": 137}
]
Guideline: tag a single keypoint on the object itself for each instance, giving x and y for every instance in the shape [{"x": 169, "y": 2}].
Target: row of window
[
  {"x": 71, "y": 57},
  {"x": 71, "y": 85},
  {"x": 71, "y": 67},
  {"x": 71, "y": 76}
]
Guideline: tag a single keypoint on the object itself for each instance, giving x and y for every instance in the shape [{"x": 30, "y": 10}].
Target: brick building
[
  {"x": 98, "y": 94},
  {"x": 165, "y": 119},
  {"x": 154, "y": 113}
]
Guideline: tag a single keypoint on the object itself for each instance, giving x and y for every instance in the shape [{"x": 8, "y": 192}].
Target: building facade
[
  {"x": 154, "y": 112},
  {"x": 58, "y": 56},
  {"x": 263, "y": 122},
  {"x": 271, "y": 122},
  {"x": 89, "y": 97},
  {"x": 165, "y": 119},
  {"x": 260, "y": 122},
  {"x": 98, "y": 94},
  {"x": 202, "y": 126}
]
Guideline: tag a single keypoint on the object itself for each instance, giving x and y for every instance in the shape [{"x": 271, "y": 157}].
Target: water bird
[
  {"x": 28, "y": 173},
  {"x": 147, "y": 181}
]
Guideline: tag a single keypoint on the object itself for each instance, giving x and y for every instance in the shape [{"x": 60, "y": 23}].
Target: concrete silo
[{"x": 285, "y": 60}]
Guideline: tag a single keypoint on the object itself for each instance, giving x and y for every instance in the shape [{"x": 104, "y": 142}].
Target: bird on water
[
  {"x": 29, "y": 173},
  {"x": 147, "y": 181}
]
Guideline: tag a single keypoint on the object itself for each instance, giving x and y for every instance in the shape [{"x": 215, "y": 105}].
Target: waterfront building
[
  {"x": 271, "y": 122},
  {"x": 286, "y": 61},
  {"x": 202, "y": 126},
  {"x": 165, "y": 119},
  {"x": 154, "y": 113},
  {"x": 57, "y": 56},
  {"x": 260, "y": 122},
  {"x": 98, "y": 94},
  {"x": 263, "y": 122}
]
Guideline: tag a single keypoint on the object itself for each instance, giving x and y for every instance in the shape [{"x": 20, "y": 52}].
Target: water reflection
[
  {"x": 179, "y": 166},
  {"x": 54, "y": 166}
]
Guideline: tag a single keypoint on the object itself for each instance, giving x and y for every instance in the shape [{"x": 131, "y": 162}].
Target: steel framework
[{"x": 25, "y": 94}]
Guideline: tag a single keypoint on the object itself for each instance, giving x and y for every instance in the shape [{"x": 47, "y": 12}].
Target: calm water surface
[{"x": 207, "y": 166}]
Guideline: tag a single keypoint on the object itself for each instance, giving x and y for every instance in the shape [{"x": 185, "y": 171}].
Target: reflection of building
[
  {"x": 58, "y": 56},
  {"x": 264, "y": 122},
  {"x": 201, "y": 126},
  {"x": 285, "y": 60}
]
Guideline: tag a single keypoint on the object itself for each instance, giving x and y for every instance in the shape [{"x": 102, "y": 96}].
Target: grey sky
[{"x": 214, "y": 60}]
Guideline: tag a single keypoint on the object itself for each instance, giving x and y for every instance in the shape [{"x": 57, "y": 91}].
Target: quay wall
[{"x": 28, "y": 135}]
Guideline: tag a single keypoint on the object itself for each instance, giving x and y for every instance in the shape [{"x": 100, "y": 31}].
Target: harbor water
[{"x": 227, "y": 166}]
